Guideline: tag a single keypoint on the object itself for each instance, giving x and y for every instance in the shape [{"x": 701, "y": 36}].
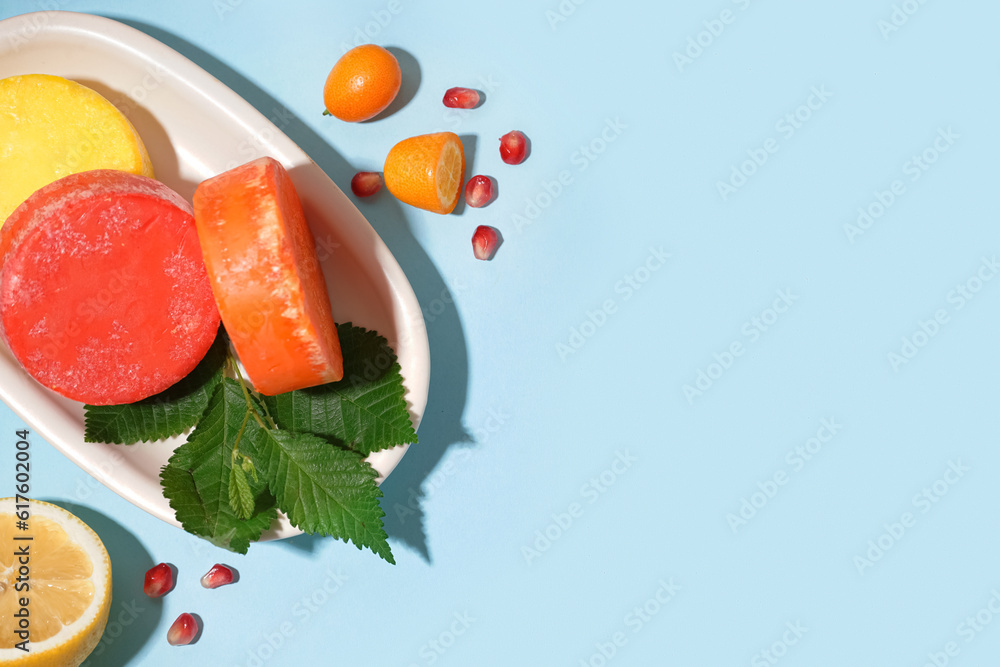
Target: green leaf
[
  {"x": 197, "y": 477},
  {"x": 169, "y": 413},
  {"x": 322, "y": 488},
  {"x": 366, "y": 410},
  {"x": 240, "y": 495}
]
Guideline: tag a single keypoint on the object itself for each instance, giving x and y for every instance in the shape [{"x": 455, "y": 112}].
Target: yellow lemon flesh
[
  {"x": 51, "y": 127},
  {"x": 67, "y": 587}
]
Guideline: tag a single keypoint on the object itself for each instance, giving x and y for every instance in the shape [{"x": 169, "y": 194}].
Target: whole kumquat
[{"x": 362, "y": 84}]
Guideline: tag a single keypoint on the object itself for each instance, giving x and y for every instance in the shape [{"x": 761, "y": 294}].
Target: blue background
[{"x": 568, "y": 491}]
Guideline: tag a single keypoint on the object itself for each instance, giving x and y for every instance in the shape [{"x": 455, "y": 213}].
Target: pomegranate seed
[
  {"x": 484, "y": 242},
  {"x": 513, "y": 147},
  {"x": 183, "y": 631},
  {"x": 366, "y": 183},
  {"x": 461, "y": 98},
  {"x": 159, "y": 581},
  {"x": 478, "y": 191},
  {"x": 219, "y": 575}
]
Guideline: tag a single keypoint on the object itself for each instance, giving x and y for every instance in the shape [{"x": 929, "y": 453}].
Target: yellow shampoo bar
[{"x": 51, "y": 127}]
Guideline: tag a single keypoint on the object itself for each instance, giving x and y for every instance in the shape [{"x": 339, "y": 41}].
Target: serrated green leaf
[
  {"x": 166, "y": 414},
  {"x": 197, "y": 476},
  {"x": 366, "y": 410},
  {"x": 322, "y": 488},
  {"x": 240, "y": 495}
]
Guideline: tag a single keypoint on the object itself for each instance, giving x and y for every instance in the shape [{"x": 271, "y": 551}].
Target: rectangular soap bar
[{"x": 267, "y": 280}]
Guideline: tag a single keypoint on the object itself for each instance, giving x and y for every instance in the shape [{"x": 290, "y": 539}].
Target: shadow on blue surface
[
  {"x": 133, "y": 617},
  {"x": 442, "y": 421},
  {"x": 410, "y": 69},
  {"x": 469, "y": 144}
]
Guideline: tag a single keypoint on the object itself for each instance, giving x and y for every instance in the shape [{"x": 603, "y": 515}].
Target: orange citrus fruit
[
  {"x": 362, "y": 84},
  {"x": 427, "y": 171}
]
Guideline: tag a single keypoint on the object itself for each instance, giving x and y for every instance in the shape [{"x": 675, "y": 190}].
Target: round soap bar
[
  {"x": 104, "y": 296},
  {"x": 51, "y": 127},
  {"x": 261, "y": 259}
]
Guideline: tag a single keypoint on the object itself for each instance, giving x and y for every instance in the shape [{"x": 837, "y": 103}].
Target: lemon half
[{"x": 69, "y": 587}]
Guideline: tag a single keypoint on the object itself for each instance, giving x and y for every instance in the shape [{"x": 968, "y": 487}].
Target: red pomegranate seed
[
  {"x": 478, "y": 191},
  {"x": 513, "y": 147},
  {"x": 366, "y": 183},
  {"x": 183, "y": 630},
  {"x": 461, "y": 98},
  {"x": 219, "y": 575},
  {"x": 484, "y": 242},
  {"x": 159, "y": 581}
]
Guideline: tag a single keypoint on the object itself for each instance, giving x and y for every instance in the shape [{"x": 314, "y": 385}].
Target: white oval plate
[{"x": 195, "y": 127}]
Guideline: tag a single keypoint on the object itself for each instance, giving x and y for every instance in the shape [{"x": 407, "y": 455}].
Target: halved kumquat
[{"x": 427, "y": 171}]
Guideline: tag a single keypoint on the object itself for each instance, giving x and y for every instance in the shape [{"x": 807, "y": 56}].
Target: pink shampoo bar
[{"x": 104, "y": 297}]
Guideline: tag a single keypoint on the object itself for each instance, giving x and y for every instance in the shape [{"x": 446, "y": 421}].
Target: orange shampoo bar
[{"x": 266, "y": 277}]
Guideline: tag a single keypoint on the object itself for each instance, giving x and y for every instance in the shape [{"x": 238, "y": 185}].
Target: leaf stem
[
  {"x": 239, "y": 434},
  {"x": 246, "y": 395},
  {"x": 267, "y": 415}
]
